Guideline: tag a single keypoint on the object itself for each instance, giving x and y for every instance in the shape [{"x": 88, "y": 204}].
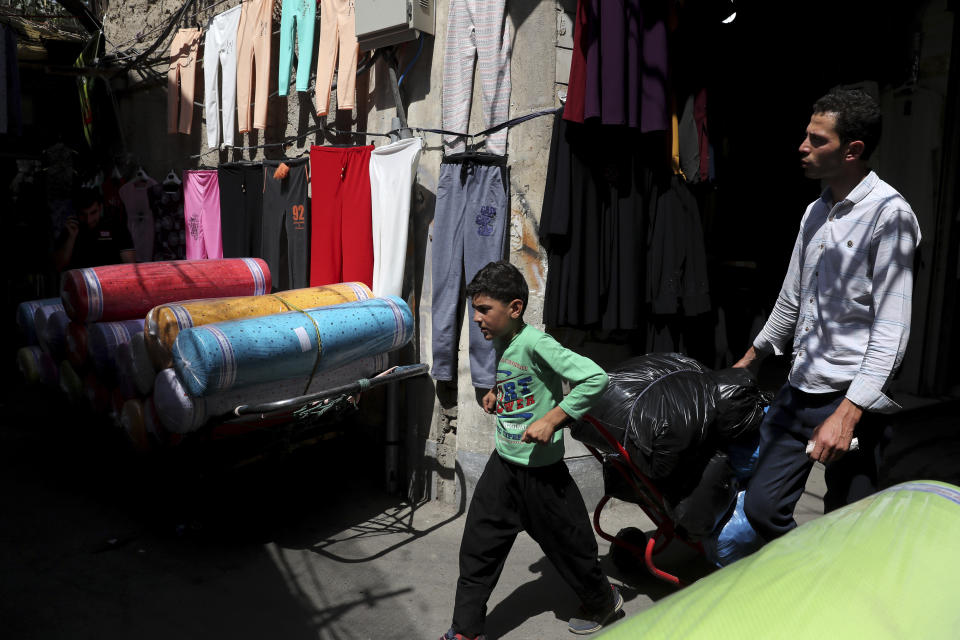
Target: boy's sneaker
[
  {"x": 586, "y": 622},
  {"x": 450, "y": 635}
]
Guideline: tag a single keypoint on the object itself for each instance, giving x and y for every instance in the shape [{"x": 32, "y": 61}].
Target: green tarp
[{"x": 887, "y": 566}]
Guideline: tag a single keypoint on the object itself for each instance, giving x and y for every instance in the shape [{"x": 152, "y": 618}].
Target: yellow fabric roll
[{"x": 164, "y": 323}]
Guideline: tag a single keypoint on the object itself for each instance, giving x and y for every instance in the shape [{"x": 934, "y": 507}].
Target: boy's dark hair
[
  {"x": 84, "y": 197},
  {"x": 501, "y": 281},
  {"x": 858, "y": 117}
]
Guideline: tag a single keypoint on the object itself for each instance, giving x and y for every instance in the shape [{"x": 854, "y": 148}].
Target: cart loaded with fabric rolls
[
  {"x": 680, "y": 441},
  {"x": 200, "y": 351}
]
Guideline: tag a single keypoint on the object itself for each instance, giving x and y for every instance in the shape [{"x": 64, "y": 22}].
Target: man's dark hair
[
  {"x": 84, "y": 197},
  {"x": 857, "y": 116},
  {"x": 501, "y": 281}
]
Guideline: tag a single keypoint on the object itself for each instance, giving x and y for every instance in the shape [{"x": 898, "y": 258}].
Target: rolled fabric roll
[
  {"x": 125, "y": 379},
  {"x": 96, "y": 393},
  {"x": 104, "y": 338},
  {"x": 132, "y": 421},
  {"x": 116, "y": 407},
  {"x": 123, "y": 291},
  {"x": 141, "y": 365},
  {"x": 37, "y": 366},
  {"x": 165, "y": 322},
  {"x": 76, "y": 345},
  {"x": 70, "y": 383},
  {"x": 231, "y": 355},
  {"x": 182, "y": 413},
  {"x": 51, "y": 326},
  {"x": 158, "y": 433},
  {"x": 27, "y": 317}
]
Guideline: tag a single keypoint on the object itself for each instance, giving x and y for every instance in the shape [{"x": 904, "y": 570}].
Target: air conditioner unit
[{"x": 381, "y": 23}]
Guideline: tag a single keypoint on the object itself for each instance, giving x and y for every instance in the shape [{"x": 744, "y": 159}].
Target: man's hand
[
  {"x": 750, "y": 360},
  {"x": 832, "y": 438},
  {"x": 540, "y": 432},
  {"x": 489, "y": 401},
  {"x": 72, "y": 225}
]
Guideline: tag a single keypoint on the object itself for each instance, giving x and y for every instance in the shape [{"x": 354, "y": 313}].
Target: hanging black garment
[{"x": 593, "y": 225}]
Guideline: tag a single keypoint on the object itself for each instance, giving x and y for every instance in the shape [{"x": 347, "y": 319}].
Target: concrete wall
[{"x": 448, "y": 437}]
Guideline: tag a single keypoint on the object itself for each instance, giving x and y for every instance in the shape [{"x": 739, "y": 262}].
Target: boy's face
[{"x": 496, "y": 318}]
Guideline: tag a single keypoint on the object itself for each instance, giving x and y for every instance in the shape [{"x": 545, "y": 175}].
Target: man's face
[
  {"x": 90, "y": 216},
  {"x": 494, "y": 317},
  {"x": 821, "y": 154}
]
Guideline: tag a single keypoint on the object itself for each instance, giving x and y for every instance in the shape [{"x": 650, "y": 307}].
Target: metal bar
[{"x": 400, "y": 373}]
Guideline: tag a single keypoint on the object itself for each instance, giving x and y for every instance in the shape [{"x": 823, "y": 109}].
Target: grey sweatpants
[{"x": 469, "y": 229}]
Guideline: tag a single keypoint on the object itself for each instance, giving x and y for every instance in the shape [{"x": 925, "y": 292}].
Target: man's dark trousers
[
  {"x": 546, "y": 503},
  {"x": 783, "y": 465}
]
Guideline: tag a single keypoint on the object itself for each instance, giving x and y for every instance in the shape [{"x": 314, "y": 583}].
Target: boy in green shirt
[{"x": 526, "y": 484}]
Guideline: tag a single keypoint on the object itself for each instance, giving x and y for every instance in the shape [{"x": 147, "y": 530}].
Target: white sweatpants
[
  {"x": 392, "y": 170},
  {"x": 477, "y": 31},
  {"x": 221, "y": 47}
]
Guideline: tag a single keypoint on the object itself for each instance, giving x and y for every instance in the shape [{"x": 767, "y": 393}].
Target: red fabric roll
[{"x": 125, "y": 291}]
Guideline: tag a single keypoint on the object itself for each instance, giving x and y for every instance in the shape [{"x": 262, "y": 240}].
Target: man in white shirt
[{"x": 846, "y": 303}]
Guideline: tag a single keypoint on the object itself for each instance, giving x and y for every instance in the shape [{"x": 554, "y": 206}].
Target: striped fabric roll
[
  {"x": 97, "y": 395},
  {"x": 27, "y": 317},
  {"x": 76, "y": 342},
  {"x": 51, "y": 326},
  {"x": 141, "y": 366},
  {"x": 164, "y": 323},
  {"x": 104, "y": 338},
  {"x": 37, "y": 366},
  {"x": 231, "y": 355},
  {"x": 70, "y": 383},
  {"x": 123, "y": 291},
  {"x": 125, "y": 378},
  {"x": 182, "y": 413}
]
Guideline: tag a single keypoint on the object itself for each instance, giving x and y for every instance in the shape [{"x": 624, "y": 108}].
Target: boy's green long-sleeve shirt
[{"x": 530, "y": 374}]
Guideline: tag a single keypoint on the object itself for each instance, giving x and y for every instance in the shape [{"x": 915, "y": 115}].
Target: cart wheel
[{"x": 624, "y": 558}]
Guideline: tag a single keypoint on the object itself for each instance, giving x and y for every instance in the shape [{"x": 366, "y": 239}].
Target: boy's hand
[
  {"x": 489, "y": 402},
  {"x": 540, "y": 432}
]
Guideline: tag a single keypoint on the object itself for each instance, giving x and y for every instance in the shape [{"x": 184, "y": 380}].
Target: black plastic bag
[
  {"x": 700, "y": 512},
  {"x": 665, "y": 407}
]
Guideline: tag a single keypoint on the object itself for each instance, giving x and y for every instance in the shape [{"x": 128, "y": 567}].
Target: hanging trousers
[
  {"x": 546, "y": 503},
  {"x": 477, "y": 31},
  {"x": 201, "y": 211},
  {"x": 783, "y": 465},
  {"x": 337, "y": 33},
  {"x": 469, "y": 230},
  {"x": 241, "y": 208},
  {"x": 182, "y": 80},
  {"x": 392, "y": 171},
  {"x": 220, "y": 61},
  {"x": 341, "y": 247},
  {"x": 301, "y": 14},
  {"x": 253, "y": 54},
  {"x": 285, "y": 244}
]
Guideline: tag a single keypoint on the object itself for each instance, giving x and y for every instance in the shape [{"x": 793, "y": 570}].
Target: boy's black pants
[{"x": 546, "y": 503}]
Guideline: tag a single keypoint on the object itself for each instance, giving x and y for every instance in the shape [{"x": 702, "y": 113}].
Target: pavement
[{"x": 96, "y": 542}]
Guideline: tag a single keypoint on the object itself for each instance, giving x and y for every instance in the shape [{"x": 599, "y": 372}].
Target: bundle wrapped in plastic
[
  {"x": 664, "y": 406},
  {"x": 51, "y": 325},
  {"x": 736, "y": 538},
  {"x": 181, "y": 412}
]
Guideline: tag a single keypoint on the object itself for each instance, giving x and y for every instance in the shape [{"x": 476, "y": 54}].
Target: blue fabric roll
[
  {"x": 103, "y": 338},
  {"x": 230, "y": 355},
  {"x": 26, "y": 317}
]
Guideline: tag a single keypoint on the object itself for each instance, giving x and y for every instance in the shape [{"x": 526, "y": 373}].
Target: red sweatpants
[{"x": 341, "y": 246}]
